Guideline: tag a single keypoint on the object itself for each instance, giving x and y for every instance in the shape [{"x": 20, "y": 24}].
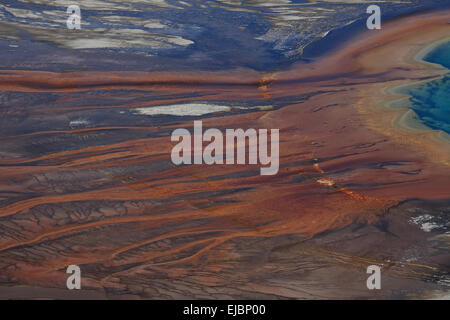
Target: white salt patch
[
  {"x": 428, "y": 226},
  {"x": 155, "y": 25},
  {"x": 188, "y": 109},
  {"x": 78, "y": 123},
  {"x": 424, "y": 222}
]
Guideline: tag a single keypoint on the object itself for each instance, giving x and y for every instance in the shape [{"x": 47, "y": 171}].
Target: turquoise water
[{"x": 431, "y": 101}]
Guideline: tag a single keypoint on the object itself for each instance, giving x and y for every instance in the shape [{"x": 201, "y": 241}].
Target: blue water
[{"x": 431, "y": 101}]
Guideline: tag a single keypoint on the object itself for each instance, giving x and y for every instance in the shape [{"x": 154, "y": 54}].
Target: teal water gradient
[{"x": 431, "y": 101}]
